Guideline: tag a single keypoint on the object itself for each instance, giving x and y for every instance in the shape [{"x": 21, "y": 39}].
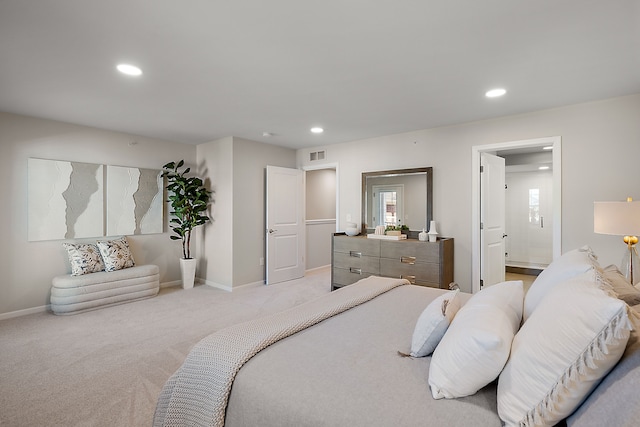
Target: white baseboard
[
  {"x": 258, "y": 283},
  {"x": 170, "y": 284},
  {"x": 214, "y": 284},
  {"x": 26, "y": 311},
  {"x": 322, "y": 267}
]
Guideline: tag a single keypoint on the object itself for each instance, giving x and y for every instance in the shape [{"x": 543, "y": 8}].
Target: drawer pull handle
[
  {"x": 408, "y": 260},
  {"x": 411, "y": 279},
  {"x": 355, "y": 270},
  {"x": 355, "y": 254}
]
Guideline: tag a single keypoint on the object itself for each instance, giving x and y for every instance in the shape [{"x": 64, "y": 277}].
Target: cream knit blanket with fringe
[{"x": 198, "y": 392}]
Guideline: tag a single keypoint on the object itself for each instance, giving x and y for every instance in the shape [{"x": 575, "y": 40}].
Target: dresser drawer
[
  {"x": 356, "y": 245},
  {"x": 421, "y": 251},
  {"x": 364, "y": 263},
  {"x": 426, "y": 274},
  {"x": 344, "y": 277}
]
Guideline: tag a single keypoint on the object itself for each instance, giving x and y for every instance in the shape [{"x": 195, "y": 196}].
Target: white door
[
  {"x": 285, "y": 224},
  {"x": 492, "y": 219}
]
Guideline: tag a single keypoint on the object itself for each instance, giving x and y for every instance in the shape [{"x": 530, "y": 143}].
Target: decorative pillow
[
  {"x": 476, "y": 346},
  {"x": 621, "y": 286},
  {"x": 84, "y": 258},
  {"x": 608, "y": 405},
  {"x": 569, "y": 265},
  {"x": 433, "y": 323},
  {"x": 572, "y": 340},
  {"x": 116, "y": 254}
]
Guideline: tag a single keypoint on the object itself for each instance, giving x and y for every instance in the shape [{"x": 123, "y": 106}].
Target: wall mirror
[{"x": 397, "y": 197}]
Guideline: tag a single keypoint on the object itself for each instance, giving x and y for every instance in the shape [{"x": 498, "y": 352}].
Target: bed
[{"x": 337, "y": 361}]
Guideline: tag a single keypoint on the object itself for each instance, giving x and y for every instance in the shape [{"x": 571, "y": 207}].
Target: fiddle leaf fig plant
[{"x": 189, "y": 201}]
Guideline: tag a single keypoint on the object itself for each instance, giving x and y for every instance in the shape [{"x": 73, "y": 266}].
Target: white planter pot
[{"x": 188, "y": 270}]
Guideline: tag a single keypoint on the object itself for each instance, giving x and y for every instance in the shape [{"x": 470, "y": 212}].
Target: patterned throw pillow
[
  {"x": 116, "y": 254},
  {"x": 84, "y": 258}
]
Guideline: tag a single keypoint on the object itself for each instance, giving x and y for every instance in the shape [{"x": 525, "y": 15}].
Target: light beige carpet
[{"x": 106, "y": 367}]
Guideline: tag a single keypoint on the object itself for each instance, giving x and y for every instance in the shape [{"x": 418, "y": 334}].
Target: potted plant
[{"x": 189, "y": 201}]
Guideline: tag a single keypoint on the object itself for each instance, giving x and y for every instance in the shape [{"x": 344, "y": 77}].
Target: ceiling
[{"x": 357, "y": 68}]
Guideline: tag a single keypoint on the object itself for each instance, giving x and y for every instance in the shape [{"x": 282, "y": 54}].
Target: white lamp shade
[{"x": 617, "y": 218}]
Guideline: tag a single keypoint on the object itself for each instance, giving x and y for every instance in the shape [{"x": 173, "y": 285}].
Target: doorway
[
  {"x": 551, "y": 220},
  {"x": 321, "y": 213}
]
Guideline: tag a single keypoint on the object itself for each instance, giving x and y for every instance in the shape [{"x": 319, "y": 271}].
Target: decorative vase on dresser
[{"x": 422, "y": 263}]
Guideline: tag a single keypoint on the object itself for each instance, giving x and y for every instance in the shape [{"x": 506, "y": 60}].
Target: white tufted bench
[{"x": 74, "y": 294}]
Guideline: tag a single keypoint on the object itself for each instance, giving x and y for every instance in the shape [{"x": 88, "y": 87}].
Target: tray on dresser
[{"x": 386, "y": 237}]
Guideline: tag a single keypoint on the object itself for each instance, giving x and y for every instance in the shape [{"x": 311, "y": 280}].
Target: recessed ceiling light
[
  {"x": 317, "y": 130},
  {"x": 549, "y": 147},
  {"x": 494, "y": 93},
  {"x": 128, "y": 69},
  {"x": 543, "y": 168}
]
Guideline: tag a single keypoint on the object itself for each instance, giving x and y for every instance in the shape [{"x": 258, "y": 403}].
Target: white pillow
[
  {"x": 572, "y": 340},
  {"x": 476, "y": 346},
  {"x": 569, "y": 265},
  {"x": 433, "y": 323}
]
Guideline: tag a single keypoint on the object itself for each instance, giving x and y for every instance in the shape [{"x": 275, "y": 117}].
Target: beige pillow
[
  {"x": 621, "y": 286},
  {"x": 476, "y": 346},
  {"x": 574, "y": 337}
]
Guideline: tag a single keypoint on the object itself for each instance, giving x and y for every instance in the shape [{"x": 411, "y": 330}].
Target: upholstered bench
[{"x": 74, "y": 294}]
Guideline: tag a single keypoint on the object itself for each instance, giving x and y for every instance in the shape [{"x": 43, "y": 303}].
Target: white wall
[
  {"x": 600, "y": 150},
  {"x": 27, "y": 267},
  {"x": 215, "y": 242},
  {"x": 250, "y": 159},
  {"x": 233, "y": 243},
  {"x": 320, "y": 194}
]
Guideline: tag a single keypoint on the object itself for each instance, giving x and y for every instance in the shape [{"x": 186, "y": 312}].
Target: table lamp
[{"x": 621, "y": 219}]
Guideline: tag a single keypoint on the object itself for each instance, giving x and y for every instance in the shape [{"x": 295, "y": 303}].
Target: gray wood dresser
[{"x": 422, "y": 263}]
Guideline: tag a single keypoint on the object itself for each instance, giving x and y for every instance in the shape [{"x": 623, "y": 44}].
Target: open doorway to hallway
[
  {"x": 528, "y": 209},
  {"x": 527, "y": 222},
  {"x": 320, "y": 214}
]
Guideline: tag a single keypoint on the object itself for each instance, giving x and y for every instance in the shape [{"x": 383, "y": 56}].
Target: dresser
[{"x": 421, "y": 263}]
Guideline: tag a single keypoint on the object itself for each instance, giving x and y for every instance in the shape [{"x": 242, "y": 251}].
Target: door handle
[
  {"x": 541, "y": 222},
  {"x": 271, "y": 231},
  {"x": 504, "y": 235}
]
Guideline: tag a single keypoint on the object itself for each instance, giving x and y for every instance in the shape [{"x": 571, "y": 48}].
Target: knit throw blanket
[{"x": 198, "y": 392}]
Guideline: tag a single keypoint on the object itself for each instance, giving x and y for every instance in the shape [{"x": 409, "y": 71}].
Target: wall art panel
[
  {"x": 134, "y": 201},
  {"x": 65, "y": 200}
]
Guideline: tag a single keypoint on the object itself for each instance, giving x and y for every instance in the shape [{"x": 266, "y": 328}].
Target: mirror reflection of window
[
  {"x": 413, "y": 207},
  {"x": 534, "y": 206},
  {"x": 389, "y": 204}
]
